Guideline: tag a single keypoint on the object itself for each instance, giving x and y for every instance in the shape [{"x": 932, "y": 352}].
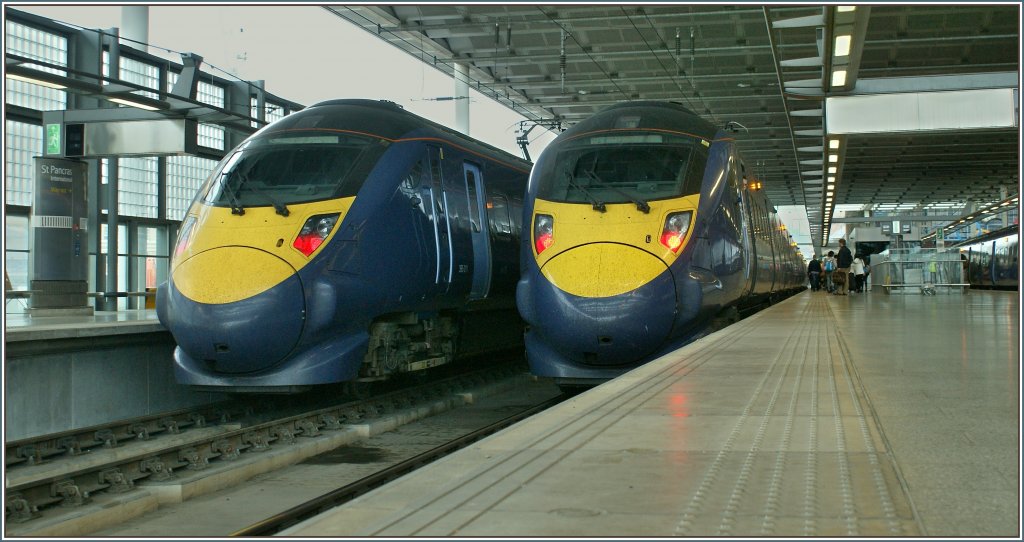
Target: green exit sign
[{"x": 53, "y": 139}]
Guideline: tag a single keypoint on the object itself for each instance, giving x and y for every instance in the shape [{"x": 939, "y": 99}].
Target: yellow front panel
[
  {"x": 232, "y": 257},
  {"x": 579, "y": 224},
  {"x": 259, "y": 227},
  {"x": 229, "y": 274},
  {"x": 595, "y": 254},
  {"x": 602, "y": 269}
]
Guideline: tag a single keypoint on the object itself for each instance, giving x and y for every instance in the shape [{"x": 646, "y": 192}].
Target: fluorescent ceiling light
[
  {"x": 831, "y": 179},
  {"x": 831, "y": 186},
  {"x": 35, "y": 81},
  {"x": 833, "y": 158},
  {"x": 842, "y": 45},
  {"x": 832, "y": 169},
  {"x": 843, "y": 9},
  {"x": 838, "y": 78},
  {"x": 834, "y": 144},
  {"x": 123, "y": 101}
]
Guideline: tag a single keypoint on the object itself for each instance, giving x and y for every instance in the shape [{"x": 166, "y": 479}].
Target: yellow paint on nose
[
  {"x": 229, "y": 274},
  {"x": 602, "y": 269}
]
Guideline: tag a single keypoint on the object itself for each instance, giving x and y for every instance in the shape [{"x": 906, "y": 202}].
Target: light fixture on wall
[
  {"x": 132, "y": 103},
  {"x": 35, "y": 81}
]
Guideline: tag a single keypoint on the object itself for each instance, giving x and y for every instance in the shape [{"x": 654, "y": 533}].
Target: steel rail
[
  {"x": 337, "y": 497},
  {"x": 74, "y": 485}
]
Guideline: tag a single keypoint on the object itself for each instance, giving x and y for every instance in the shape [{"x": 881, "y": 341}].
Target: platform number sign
[{"x": 53, "y": 139}]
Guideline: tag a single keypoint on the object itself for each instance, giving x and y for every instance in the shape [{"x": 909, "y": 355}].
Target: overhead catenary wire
[
  {"x": 518, "y": 108},
  {"x": 586, "y": 52},
  {"x": 670, "y": 75}
]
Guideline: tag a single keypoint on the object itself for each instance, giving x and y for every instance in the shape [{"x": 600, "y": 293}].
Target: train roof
[
  {"x": 646, "y": 115},
  {"x": 383, "y": 118}
]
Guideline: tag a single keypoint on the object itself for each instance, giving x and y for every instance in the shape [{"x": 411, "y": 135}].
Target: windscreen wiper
[
  {"x": 597, "y": 205},
  {"x": 236, "y": 205},
  {"x": 641, "y": 205},
  {"x": 279, "y": 207}
]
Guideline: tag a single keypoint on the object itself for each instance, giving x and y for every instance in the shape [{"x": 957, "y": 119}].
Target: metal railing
[{"x": 919, "y": 271}]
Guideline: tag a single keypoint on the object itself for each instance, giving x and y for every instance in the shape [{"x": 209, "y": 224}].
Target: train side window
[
  {"x": 498, "y": 217},
  {"x": 411, "y": 184},
  {"x": 516, "y": 215}
]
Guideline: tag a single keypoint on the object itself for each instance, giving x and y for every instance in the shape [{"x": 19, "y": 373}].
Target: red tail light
[
  {"x": 314, "y": 232},
  {"x": 676, "y": 226},
  {"x": 543, "y": 232}
]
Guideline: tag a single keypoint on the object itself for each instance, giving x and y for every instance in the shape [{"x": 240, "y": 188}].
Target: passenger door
[
  {"x": 479, "y": 233},
  {"x": 436, "y": 196}
]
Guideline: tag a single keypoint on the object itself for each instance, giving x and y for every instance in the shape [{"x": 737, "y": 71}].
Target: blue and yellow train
[
  {"x": 346, "y": 242},
  {"x": 646, "y": 228},
  {"x": 993, "y": 259}
]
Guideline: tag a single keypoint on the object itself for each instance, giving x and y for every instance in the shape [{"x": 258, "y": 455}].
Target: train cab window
[
  {"x": 410, "y": 186},
  {"x": 277, "y": 169},
  {"x": 623, "y": 168}
]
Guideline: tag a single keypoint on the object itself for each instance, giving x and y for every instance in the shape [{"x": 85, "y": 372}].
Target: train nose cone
[
  {"x": 237, "y": 309},
  {"x": 612, "y": 303}
]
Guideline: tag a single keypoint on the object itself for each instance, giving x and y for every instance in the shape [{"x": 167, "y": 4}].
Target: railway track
[
  {"x": 53, "y": 479},
  {"x": 337, "y": 497}
]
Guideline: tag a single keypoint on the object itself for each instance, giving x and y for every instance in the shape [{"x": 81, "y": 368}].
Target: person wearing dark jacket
[
  {"x": 844, "y": 259},
  {"x": 814, "y": 273}
]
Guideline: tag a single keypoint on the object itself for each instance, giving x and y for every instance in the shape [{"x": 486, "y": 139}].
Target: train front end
[
  {"x": 612, "y": 208},
  {"x": 246, "y": 300}
]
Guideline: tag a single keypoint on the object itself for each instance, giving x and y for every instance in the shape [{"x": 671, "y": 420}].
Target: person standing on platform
[
  {"x": 843, "y": 262},
  {"x": 829, "y": 265},
  {"x": 814, "y": 273},
  {"x": 857, "y": 268}
]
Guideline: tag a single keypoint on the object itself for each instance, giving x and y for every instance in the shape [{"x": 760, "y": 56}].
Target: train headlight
[
  {"x": 543, "y": 232},
  {"x": 314, "y": 232},
  {"x": 676, "y": 226}
]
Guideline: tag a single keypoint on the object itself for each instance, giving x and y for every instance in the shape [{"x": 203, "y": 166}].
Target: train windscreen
[
  {"x": 278, "y": 169},
  {"x": 618, "y": 168}
]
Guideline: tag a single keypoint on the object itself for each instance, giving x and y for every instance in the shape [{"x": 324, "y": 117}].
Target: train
[
  {"x": 993, "y": 259},
  {"x": 349, "y": 242},
  {"x": 647, "y": 229}
]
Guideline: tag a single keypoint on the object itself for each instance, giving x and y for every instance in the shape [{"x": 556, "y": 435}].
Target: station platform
[
  {"x": 22, "y": 327},
  {"x": 864, "y": 415},
  {"x": 72, "y": 372}
]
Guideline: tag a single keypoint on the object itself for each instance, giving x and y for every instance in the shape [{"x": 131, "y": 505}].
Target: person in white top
[{"x": 857, "y": 268}]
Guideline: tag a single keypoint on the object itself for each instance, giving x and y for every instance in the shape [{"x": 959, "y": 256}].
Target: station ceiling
[{"x": 765, "y": 68}]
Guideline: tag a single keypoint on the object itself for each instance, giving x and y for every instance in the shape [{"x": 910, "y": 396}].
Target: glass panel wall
[
  {"x": 184, "y": 176},
  {"x": 138, "y": 182},
  {"x": 29, "y": 42},
  {"x": 23, "y": 141}
]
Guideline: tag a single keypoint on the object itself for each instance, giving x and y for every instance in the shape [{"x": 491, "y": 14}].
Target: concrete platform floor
[{"x": 860, "y": 415}]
